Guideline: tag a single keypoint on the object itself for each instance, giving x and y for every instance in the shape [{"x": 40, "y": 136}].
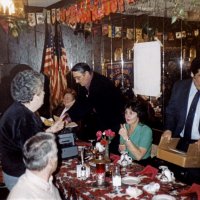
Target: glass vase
[{"x": 107, "y": 153}]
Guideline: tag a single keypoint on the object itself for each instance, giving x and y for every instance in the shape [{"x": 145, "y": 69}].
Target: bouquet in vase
[{"x": 104, "y": 139}]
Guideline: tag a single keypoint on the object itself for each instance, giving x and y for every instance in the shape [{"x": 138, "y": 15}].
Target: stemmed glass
[
  {"x": 91, "y": 141},
  {"x": 92, "y": 146},
  {"x": 80, "y": 152},
  {"x": 123, "y": 162}
]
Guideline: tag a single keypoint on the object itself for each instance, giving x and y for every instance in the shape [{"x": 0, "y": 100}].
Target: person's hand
[
  {"x": 57, "y": 126},
  {"x": 123, "y": 132},
  {"x": 122, "y": 147},
  {"x": 198, "y": 143},
  {"x": 66, "y": 118},
  {"x": 167, "y": 134}
]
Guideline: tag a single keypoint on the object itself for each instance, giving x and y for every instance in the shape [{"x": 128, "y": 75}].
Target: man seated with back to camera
[{"x": 40, "y": 158}]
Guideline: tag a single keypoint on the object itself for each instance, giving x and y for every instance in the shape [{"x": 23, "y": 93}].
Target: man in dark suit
[
  {"x": 177, "y": 112},
  {"x": 179, "y": 104},
  {"x": 98, "y": 95}
]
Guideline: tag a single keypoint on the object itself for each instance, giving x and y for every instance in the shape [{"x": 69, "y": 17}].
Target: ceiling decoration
[
  {"x": 72, "y": 12},
  {"x": 42, "y": 3},
  {"x": 175, "y": 9}
]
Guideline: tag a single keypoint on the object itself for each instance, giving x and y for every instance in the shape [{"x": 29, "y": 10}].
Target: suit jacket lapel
[{"x": 185, "y": 95}]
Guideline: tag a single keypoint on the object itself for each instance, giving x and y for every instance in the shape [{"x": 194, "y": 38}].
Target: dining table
[{"x": 72, "y": 187}]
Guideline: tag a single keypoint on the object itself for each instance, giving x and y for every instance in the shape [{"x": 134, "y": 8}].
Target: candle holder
[{"x": 100, "y": 172}]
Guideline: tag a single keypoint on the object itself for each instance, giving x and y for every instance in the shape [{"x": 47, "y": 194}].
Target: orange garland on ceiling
[{"x": 92, "y": 10}]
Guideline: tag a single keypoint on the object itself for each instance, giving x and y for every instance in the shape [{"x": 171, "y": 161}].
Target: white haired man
[{"x": 40, "y": 158}]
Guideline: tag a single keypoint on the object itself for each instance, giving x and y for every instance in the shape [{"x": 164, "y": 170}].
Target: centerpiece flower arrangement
[{"x": 103, "y": 141}]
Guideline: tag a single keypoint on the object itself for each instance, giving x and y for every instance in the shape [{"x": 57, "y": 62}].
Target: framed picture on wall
[{"x": 121, "y": 76}]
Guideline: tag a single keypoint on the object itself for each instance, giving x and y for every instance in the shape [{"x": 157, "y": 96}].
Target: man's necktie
[{"x": 190, "y": 116}]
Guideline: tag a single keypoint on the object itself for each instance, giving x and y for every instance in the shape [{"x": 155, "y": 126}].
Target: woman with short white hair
[{"x": 20, "y": 122}]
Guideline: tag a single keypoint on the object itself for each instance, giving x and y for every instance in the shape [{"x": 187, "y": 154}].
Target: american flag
[{"x": 55, "y": 64}]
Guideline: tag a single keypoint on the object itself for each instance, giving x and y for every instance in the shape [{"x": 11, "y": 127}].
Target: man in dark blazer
[
  {"x": 176, "y": 112},
  {"x": 98, "y": 95}
]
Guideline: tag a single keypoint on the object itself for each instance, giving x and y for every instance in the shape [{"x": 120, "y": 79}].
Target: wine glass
[
  {"x": 80, "y": 152},
  {"x": 92, "y": 142},
  {"x": 92, "y": 146},
  {"x": 123, "y": 161}
]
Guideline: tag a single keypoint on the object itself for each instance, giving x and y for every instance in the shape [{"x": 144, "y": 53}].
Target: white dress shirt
[
  {"x": 67, "y": 107},
  {"x": 32, "y": 187},
  {"x": 195, "y": 135}
]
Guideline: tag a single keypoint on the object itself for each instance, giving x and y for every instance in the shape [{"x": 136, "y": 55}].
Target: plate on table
[
  {"x": 163, "y": 197},
  {"x": 47, "y": 122},
  {"x": 131, "y": 180},
  {"x": 71, "y": 125},
  {"x": 92, "y": 164}
]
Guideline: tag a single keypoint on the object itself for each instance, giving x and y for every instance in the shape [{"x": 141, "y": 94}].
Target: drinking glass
[
  {"x": 116, "y": 179},
  {"x": 92, "y": 149},
  {"x": 80, "y": 152},
  {"x": 123, "y": 162},
  {"x": 100, "y": 173}
]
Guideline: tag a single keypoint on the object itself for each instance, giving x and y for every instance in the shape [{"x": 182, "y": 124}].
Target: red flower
[
  {"x": 105, "y": 137},
  {"x": 104, "y": 142},
  {"x": 109, "y": 133}
]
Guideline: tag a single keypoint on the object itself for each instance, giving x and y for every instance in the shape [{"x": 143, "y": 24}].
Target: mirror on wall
[{"x": 179, "y": 46}]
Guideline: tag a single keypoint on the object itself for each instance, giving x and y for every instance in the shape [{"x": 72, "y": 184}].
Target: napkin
[
  {"x": 133, "y": 192},
  {"x": 195, "y": 188},
  {"x": 115, "y": 158},
  {"x": 152, "y": 187},
  {"x": 149, "y": 170}
]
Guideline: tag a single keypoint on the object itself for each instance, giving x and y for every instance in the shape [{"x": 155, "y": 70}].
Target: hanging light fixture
[{"x": 12, "y": 9}]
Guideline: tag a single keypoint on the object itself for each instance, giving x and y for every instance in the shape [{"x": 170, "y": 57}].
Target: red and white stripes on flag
[{"x": 55, "y": 64}]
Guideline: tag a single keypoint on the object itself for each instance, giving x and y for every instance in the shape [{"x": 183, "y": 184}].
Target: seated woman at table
[
  {"x": 68, "y": 101},
  {"x": 20, "y": 122},
  {"x": 136, "y": 137}
]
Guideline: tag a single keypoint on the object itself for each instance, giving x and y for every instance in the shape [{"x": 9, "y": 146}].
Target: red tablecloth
[{"x": 70, "y": 185}]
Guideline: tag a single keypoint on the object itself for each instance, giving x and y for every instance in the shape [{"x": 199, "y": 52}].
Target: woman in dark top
[{"x": 20, "y": 122}]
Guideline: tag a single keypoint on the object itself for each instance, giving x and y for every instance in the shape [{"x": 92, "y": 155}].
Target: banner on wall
[{"x": 147, "y": 68}]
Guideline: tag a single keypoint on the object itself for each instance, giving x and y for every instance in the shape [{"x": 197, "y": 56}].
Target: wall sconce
[{"x": 12, "y": 9}]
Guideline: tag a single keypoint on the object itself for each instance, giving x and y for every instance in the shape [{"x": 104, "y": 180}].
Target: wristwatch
[{"x": 128, "y": 139}]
